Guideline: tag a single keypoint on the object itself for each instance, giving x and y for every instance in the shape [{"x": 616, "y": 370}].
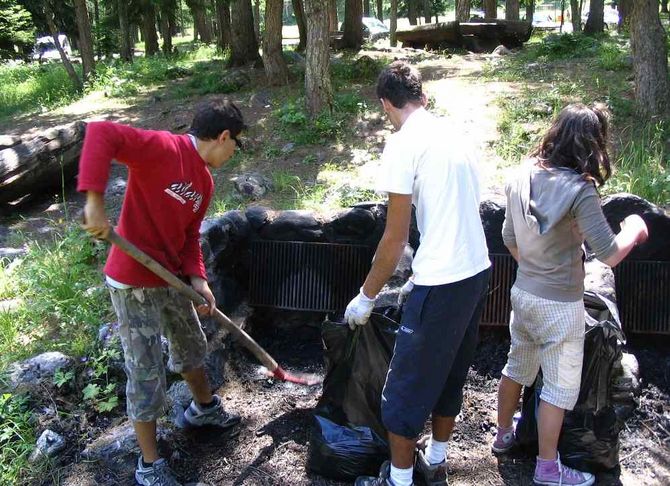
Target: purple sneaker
[
  {"x": 504, "y": 440},
  {"x": 553, "y": 473}
]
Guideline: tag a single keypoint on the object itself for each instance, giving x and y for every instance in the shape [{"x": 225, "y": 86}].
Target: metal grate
[
  {"x": 498, "y": 307},
  {"x": 643, "y": 296},
  {"x": 306, "y": 276}
]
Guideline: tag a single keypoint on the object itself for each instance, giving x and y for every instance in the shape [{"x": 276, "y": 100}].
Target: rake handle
[{"x": 243, "y": 338}]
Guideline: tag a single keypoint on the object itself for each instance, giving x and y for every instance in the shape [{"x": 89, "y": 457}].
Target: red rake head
[{"x": 299, "y": 378}]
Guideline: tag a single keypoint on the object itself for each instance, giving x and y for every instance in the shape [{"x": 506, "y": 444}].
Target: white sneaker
[
  {"x": 158, "y": 474},
  {"x": 196, "y": 416}
]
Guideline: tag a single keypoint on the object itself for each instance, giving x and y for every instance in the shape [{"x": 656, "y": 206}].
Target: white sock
[
  {"x": 401, "y": 477},
  {"x": 436, "y": 452}
]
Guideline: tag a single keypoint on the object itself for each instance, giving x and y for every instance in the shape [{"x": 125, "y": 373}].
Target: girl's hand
[{"x": 637, "y": 228}]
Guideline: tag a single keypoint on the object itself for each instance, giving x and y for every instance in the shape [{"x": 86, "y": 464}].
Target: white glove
[
  {"x": 405, "y": 291},
  {"x": 359, "y": 310}
]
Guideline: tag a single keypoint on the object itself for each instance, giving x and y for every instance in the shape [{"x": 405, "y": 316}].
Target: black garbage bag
[
  {"x": 348, "y": 438},
  {"x": 590, "y": 435}
]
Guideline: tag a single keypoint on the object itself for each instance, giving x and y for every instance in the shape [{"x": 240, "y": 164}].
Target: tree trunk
[
  {"x": 462, "y": 10},
  {"x": 352, "y": 37},
  {"x": 299, "y": 12},
  {"x": 201, "y": 24},
  {"x": 625, "y": 7},
  {"x": 85, "y": 38},
  {"x": 318, "y": 88},
  {"x": 380, "y": 9},
  {"x": 244, "y": 46},
  {"x": 257, "y": 20},
  {"x": 664, "y": 6},
  {"x": 273, "y": 59},
  {"x": 511, "y": 9},
  {"x": 366, "y": 8},
  {"x": 394, "y": 23},
  {"x": 576, "y": 15},
  {"x": 149, "y": 28},
  {"x": 530, "y": 10},
  {"x": 168, "y": 13},
  {"x": 96, "y": 19},
  {"x": 490, "y": 9},
  {"x": 48, "y": 13},
  {"x": 650, "y": 59},
  {"x": 332, "y": 15},
  {"x": 412, "y": 8},
  {"x": 427, "y": 11},
  {"x": 124, "y": 32},
  {"x": 223, "y": 15},
  {"x": 595, "y": 24}
]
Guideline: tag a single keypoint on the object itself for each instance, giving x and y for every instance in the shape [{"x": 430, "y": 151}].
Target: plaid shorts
[
  {"x": 547, "y": 334},
  {"x": 144, "y": 315}
]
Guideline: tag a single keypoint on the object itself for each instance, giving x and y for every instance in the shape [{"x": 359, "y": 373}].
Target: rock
[
  {"x": 215, "y": 364},
  {"x": 48, "y": 445},
  {"x": 179, "y": 397},
  {"x": 252, "y": 185},
  {"x": 11, "y": 253},
  {"x": 365, "y": 67},
  {"x": 501, "y": 51},
  {"x": 7, "y": 141},
  {"x": 617, "y": 206},
  {"x": 625, "y": 385},
  {"x": 293, "y": 226},
  {"x": 118, "y": 445},
  {"x": 233, "y": 81},
  {"x": 176, "y": 72},
  {"x": 38, "y": 370},
  {"x": 107, "y": 332},
  {"x": 599, "y": 279},
  {"x": 288, "y": 148}
]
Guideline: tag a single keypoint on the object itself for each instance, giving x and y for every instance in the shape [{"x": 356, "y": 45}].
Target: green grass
[{"x": 17, "y": 437}]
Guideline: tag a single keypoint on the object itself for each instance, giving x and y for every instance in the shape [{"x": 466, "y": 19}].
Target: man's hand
[
  {"x": 96, "y": 222},
  {"x": 201, "y": 286},
  {"x": 405, "y": 291},
  {"x": 359, "y": 310}
]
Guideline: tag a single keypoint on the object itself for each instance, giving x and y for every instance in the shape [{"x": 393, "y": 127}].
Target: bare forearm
[
  {"x": 386, "y": 260},
  {"x": 625, "y": 242}
]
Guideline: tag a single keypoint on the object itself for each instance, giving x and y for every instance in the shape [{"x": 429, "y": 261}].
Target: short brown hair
[
  {"x": 400, "y": 83},
  {"x": 214, "y": 117},
  {"x": 578, "y": 140}
]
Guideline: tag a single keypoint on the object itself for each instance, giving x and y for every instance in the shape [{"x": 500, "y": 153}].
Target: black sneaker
[
  {"x": 432, "y": 474},
  {"x": 158, "y": 474},
  {"x": 196, "y": 416},
  {"x": 384, "y": 478}
]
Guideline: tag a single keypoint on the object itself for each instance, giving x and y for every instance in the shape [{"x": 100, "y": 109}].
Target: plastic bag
[
  {"x": 348, "y": 438},
  {"x": 590, "y": 435}
]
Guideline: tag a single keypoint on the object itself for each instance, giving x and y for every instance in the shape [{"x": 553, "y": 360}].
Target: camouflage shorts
[{"x": 144, "y": 314}]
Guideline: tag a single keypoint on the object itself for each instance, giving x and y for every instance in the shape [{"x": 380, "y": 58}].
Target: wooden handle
[{"x": 247, "y": 341}]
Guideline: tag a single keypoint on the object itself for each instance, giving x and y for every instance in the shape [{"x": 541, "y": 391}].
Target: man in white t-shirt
[{"x": 428, "y": 165}]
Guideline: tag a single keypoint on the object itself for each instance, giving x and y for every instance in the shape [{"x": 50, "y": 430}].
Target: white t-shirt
[{"x": 428, "y": 159}]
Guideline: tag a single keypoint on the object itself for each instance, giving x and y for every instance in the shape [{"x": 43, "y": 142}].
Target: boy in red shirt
[{"x": 169, "y": 189}]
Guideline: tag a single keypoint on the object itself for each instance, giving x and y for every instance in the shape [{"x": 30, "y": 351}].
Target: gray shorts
[{"x": 144, "y": 315}]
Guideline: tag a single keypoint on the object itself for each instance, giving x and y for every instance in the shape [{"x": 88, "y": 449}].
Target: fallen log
[
  {"x": 478, "y": 36},
  {"x": 42, "y": 163}
]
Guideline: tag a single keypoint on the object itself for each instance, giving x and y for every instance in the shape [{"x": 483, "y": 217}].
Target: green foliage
[
  {"x": 612, "y": 57},
  {"x": 16, "y": 29},
  {"x": 363, "y": 69},
  {"x": 62, "y": 301},
  {"x": 62, "y": 378},
  {"x": 642, "y": 166},
  {"x": 16, "y": 437},
  {"x": 564, "y": 46}
]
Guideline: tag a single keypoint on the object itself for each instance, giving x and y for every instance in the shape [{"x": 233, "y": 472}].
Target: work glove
[
  {"x": 405, "y": 291},
  {"x": 359, "y": 310}
]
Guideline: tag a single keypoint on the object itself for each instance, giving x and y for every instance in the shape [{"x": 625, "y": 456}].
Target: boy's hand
[
  {"x": 95, "y": 218},
  {"x": 201, "y": 286}
]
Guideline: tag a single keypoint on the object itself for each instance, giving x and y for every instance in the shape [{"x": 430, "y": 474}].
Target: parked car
[
  {"x": 373, "y": 29},
  {"x": 45, "y": 48}
]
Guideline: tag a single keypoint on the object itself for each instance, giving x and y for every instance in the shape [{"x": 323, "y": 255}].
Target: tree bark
[
  {"x": 595, "y": 24},
  {"x": 149, "y": 28},
  {"x": 85, "y": 38},
  {"x": 427, "y": 11},
  {"x": 200, "y": 21},
  {"x": 244, "y": 46},
  {"x": 530, "y": 10},
  {"x": 394, "y": 23},
  {"x": 318, "y": 88},
  {"x": 490, "y": 9},
  {"x": 168, "y": 12},
  {"x": 48, "y": 13},
  {"x": 299, "y": 12},
  {"x": 463, "y": 10},
  {"x": 223, "y": 16},
  {"x": 332, "y": 15},
  {"x": 273, "y": 59},
  {"x": 664, "y": 6},
  {"x": 511, "y": 9},
  {"x": 366, "y": 8},
  {"x": 576, "y": 15},
  {"x": 352, "y": 37},
  {"x": 625, "y": 7},
  {"x": 650, "y": 59},
  {"x": 257, "y": 20},
  {"x": 412, "y": 8},
  {"x": 380, "y": 10},
  {"x": 124, "y": 32}
]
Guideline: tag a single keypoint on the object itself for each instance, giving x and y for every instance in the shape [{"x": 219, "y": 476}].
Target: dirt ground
[{"x": 271, "y": 445}]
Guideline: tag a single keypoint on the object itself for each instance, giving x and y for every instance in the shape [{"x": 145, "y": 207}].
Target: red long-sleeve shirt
[{"x": 168, "y": 191}]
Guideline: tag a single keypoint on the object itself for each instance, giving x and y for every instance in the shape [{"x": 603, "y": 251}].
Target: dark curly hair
[
  {"x": 214, "y": 117},
  {"x": 578, "y": 140},
  {"x": 400, "y": 83}
]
